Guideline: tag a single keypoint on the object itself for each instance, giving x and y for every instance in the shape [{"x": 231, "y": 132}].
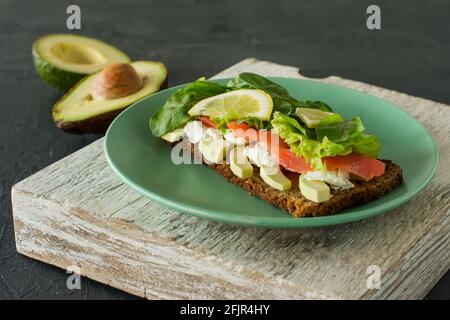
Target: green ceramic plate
[{"x": 143, "y": 161}]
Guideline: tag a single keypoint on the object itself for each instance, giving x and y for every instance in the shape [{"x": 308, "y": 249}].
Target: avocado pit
[
  {"x": 117, "y": 80},
  {"x": 96, "y": 100}
]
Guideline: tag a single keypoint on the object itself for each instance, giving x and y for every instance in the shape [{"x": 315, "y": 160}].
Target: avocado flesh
[
  {"x": 314, "y": 190},
  {"x": 78, "y": 111},
  {"x": 63, "y": 59},
  {"x": 275, "y": 178},
  {"x": 239, "y": 163},
  {"x": 213, "y": 150}
]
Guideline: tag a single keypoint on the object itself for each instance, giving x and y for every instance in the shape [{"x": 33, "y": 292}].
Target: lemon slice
[
  {"x": 235, "y": 104},
  {"x": 311, "y": 117}
]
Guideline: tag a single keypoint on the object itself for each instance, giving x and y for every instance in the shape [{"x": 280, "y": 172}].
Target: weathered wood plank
[{"x": 77, "y": 211}]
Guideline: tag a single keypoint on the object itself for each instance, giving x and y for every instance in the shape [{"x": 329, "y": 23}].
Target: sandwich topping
[{"x": 254, "y": 122}]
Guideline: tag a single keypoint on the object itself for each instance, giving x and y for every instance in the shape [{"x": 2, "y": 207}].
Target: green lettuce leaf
[
  {"x": 333, "y": 136},
  {"x": 255, "y": 123},
  {"x": 174, "y": 112}
]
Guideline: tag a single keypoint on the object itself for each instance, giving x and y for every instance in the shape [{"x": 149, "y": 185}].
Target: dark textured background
[{"x": 194, "y": 38}]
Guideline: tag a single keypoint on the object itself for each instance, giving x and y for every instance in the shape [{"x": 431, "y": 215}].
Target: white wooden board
[{"x": 77, "y": 211}]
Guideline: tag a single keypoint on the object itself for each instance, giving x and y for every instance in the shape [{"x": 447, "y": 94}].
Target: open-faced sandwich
[{"x": 297, "y": 155}]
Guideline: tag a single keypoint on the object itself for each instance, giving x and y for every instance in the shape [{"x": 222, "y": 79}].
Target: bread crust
[
  {"x": 294, "y": 203},
  {"x": 298, "y": 206}
]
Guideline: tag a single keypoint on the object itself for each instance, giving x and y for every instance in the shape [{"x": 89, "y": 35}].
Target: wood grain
[{"x": 77, "y": 211}]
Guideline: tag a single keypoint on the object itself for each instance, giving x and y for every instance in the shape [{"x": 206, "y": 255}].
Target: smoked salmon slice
[
  {"x": 207, "y": 121},
  {"x": 360, "y": 165},
  {"x": 275, "y": 145}
]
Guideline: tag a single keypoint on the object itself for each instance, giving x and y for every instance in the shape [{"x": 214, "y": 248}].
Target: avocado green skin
[{"x": 57, "y": 78}]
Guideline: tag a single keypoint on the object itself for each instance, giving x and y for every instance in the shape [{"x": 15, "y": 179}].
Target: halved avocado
[
  {"x": 78, "y": 111},
  {"x": 63, "y": 59}
]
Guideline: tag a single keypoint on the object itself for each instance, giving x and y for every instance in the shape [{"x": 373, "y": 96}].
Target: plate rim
[{"x": 274, "y": 222}]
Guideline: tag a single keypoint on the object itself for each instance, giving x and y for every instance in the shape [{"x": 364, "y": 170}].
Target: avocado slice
[
  {"x": 275, "y": 178},
  {"x": 314, "y": 190},
  {"x": 78, "y": 111},
  {"x": 213, "y": 150},
  {"x": 63, "y": 59},
  {"x": 174, "y": 136},
  {"x": 239, "y": 163}
]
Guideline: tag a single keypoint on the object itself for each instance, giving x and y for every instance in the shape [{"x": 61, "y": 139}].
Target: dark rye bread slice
[
  {"x": 294, "y": 203},
  {"x": 298, "y": 206}
]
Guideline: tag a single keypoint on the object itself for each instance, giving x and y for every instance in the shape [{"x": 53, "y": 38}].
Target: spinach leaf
[
  {"x": 314, "y": 105},
  {"x": 259, "y": 82},
  {"x": 282, "y": 100},
  {"x": 236, "y": 83},
  {"x": 174, "y": 112}
]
